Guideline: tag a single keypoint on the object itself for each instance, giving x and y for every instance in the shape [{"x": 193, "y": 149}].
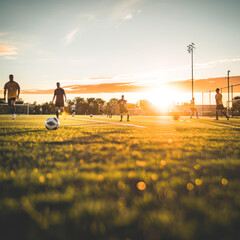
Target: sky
[{"x": 134, "y": 47}]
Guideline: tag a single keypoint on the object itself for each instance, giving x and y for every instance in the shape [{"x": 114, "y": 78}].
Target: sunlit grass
[{"x": 89, "y": 180}]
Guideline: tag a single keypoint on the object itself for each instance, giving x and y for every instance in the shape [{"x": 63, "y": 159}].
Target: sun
[{"x": 162, "y": 96}]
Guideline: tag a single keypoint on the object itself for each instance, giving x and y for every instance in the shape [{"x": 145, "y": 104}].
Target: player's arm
[
  {"x": 54, "y": 95},
  {"x": 18, "y": 92},
  {"x": 65, "y": 95},
  {"x": 5, "y": 92}
]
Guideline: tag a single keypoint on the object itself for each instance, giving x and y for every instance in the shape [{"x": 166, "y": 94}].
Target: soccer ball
[
  {"x": 52, "y": 123},
  {"x": 91, "y": 115}
]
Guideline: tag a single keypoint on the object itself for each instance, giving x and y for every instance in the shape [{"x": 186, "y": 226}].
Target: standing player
[
  {"x": 193, "y": 109},
  {"x": 13, "y": 93},
  {"x": 123, "y": 109},
  {"x": 101, "y": 110},
  {"x": 219, "y": 104},
  {"x": 59, "y": 105},
  {"x": 73, "y": 110},
  {"x": 109, "y": 114}
]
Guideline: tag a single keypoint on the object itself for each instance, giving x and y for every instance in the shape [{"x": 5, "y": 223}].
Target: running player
[
  {"x": 123, "y": 109},
  {"x": 193, "y": 109},
  {"x": 13, "y": 93},
  {"x": 59, "y": 105},
  {"x": 73, "y": 110},
  {"x": 219, "y": 104},
  {"x": 109, "y": 114}
]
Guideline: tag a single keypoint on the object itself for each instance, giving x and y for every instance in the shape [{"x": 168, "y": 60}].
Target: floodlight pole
[
  {"x": 228, "y": 88},
  {"x": 190, "y": 50}
]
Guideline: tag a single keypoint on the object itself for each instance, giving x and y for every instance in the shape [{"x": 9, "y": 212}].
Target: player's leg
[
  {"x": 121, "y": 117},
  {"x": 216, "y": 113},
  {"x": 13, "y": 107},
  {"x": 225, "y": 114},
  {"x": 63, "y": 113},
  {"x": 57, "y": 112},
  {"x": 10, "y": 106},
  {"x": 192, "y": 112},
  {"x": 196, "y": 113}
]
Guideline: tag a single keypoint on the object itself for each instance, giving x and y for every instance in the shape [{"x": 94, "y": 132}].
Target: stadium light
[{"x": 190, "y": 50}]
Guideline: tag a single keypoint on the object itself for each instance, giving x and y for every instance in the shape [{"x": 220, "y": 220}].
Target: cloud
[
  {"x": 125, "y": 9},
  {"x": 129, "y": 16},
  {"x": 205, "y": 85},
  {"x": 10, "y": 57},
  {"x": 89, "y": 16},
  {"x": 92, "y": 88},
  {"x": 7, "y": 50},
  {"x": 70, "y": 36}
]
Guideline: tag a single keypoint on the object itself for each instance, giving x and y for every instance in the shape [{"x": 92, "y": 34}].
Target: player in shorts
[
  {"x": 123, "y": 109},
  {"x": 13, "y": 90},
  {"x": 109, "y": 114},
  {"x": 73, "y": 108},
  {"x": 219, "y": 104},
  {"x": 192, "y": 107},
  {"x": 59, "y": 93}
]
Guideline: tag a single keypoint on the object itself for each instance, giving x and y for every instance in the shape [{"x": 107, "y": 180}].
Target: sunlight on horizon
[{"x": 164, "y": 96}]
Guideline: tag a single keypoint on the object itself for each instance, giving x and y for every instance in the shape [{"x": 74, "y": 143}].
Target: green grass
[{"x": 89, "y": 180}]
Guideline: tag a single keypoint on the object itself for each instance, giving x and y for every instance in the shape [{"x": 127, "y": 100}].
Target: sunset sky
[{"x": 128, "y": 46}]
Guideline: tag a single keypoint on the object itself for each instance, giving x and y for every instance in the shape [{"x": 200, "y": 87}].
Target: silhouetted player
[
  {"x": 13, "y": 93},
  {"x": 59, "y": 93},
  {"x": 193, "y": 109},
  {"x": 219, "y": 104},
  {"x": 109, "y": 113},
  {"x": 123, "y": 109}
]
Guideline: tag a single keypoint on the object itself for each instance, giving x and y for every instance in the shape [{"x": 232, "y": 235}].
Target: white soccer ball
[
  {"x": 52, "y": 123},
  {"x": 91, "y": 115}
]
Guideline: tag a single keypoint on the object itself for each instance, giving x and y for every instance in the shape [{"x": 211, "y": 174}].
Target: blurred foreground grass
[{"x": 91, "y": 180}]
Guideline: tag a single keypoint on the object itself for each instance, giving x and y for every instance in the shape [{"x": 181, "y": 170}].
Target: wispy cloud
[
  {"x": 10, "y": 57},
  {"x": 128, "y": 16},
  {"x": 70, "y": 36},
  {"x": 126, "y": 9},
  {"x": 7, "y": 50},
  {"x": 88, "y": 16}
]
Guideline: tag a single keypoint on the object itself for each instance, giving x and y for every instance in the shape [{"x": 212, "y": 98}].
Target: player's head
[
  {"x": 11, "y": 77},
  {"x": 122, "y": 96},
  {"x": 58, "y": 84},
  {"x": 217, "y": 90}
]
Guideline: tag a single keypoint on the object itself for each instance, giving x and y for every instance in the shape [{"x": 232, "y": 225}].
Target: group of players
[
  {"x": 13, "y": 90},
  {"x": 219, "y": 106}
]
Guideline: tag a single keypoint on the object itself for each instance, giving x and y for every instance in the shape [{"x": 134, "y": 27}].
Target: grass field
[{"x": 93, "y": 180}]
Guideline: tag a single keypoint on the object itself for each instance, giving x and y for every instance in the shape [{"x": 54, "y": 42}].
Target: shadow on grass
[{"x": 20, "y": 132}]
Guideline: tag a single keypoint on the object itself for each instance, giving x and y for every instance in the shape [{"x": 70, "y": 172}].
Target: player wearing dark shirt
[
  {"x": 59, "y": 93},
  {"x": 219, "y": 104},
  {"x": 13, "y": 90},
  {"x": 123, "y": 109}
]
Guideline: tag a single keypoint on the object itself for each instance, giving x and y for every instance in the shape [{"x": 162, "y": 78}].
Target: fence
[{"x": 20, "y": 108}]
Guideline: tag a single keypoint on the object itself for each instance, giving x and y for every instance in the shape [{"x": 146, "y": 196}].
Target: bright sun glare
[{"x": 163, "y": 96}]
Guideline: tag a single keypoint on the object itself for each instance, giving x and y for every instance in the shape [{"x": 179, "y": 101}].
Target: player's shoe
[{"x": 13, "y": 116}]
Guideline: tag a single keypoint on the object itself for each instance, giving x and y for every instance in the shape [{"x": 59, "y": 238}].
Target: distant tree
[
  {"x": 113, "y": 102},
  {"x": 81, "y": 105}
]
